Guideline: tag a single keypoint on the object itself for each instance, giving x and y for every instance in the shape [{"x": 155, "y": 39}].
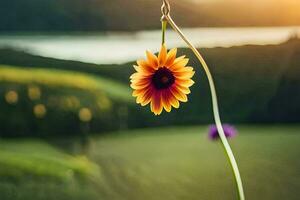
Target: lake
[{"x": 105, "y": 48}]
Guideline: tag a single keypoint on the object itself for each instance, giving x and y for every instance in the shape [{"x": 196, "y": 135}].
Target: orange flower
[{"x": 162, "y": 81}]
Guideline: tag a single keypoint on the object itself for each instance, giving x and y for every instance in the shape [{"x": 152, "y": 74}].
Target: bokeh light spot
[
  {"x": 85, "y": 115},
  {"x": 75, "y": 101},
  {"x": 104, "y": 103},
  {"x": 39, "y": 110},
  {"x": 34, "y": 92},
  {"x": 12, "y": 97}
]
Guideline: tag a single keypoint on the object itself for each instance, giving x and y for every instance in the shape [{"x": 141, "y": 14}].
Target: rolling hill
[
  {"x": 255, "y": 84},
  {"x": 105, "y": 15}
]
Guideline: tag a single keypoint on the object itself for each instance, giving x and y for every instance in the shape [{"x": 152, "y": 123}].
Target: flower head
[
  {"x": 229, "y": 130},
  {"x": 162, "y": 80}
]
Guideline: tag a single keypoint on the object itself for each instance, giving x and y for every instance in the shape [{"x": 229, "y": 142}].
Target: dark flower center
[{"x": 163, "y": 78}]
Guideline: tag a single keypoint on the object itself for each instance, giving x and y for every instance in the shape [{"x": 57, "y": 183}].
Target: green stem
[
  {"x": 163, "y": 30},
  {"x": 224, "y": 141}
]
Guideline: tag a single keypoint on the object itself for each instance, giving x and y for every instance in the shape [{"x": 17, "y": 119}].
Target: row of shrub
[{"x": 42, "y": 107}]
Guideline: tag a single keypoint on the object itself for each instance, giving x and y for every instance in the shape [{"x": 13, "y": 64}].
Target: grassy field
[
  {"x": 154, "y": 164},
  {"x": 33, "y": 169},
  {"x": 181, "y": 163}
]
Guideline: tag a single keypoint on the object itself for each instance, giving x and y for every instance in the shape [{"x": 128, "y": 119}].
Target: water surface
[{"x": 123, "y": 47}]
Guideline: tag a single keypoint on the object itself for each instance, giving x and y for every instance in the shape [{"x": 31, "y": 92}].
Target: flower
[
  {"x": 162, "y": 80},
  {"x": 229, "y": 130}
]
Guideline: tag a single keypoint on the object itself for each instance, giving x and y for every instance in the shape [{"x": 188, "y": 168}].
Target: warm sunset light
[{"x": 149, "y": 99}]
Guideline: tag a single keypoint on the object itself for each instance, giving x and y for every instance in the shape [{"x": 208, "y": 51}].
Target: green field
[
  {"x": 33, "y": 169},
  {"x": 181, "y": 163},
  {"x": 169, "y": 163}
]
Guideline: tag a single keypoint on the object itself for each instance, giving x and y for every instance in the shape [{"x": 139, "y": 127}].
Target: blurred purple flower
[{"x": 229, "y": 130}]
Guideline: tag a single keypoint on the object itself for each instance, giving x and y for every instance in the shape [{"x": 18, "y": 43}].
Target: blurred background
[{"x": 69, "y": 128}]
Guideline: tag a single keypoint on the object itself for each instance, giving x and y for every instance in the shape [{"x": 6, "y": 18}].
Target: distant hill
[
  {"x": 283, "y": 103},
  {"x": 104, "y": 15}
]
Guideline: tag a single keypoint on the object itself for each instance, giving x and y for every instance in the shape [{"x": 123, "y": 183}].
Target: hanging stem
[
  {"x": 163, "y": 30},
  {"x": 225, "y": 144}
]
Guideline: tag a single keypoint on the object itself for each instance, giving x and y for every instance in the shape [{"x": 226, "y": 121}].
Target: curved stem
[{"x": 225, "y": 143}]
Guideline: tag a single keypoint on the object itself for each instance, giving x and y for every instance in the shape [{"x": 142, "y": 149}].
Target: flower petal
[
  {"x": 142, "y": 70},
  {"x": 173, "y": 101},
  {"x": 144, "y": 97},
  {"x": 140, "y": 84},
  {"x": 184, "y": 74},
  {"x": 183, "y": 69},
  {"x": 136, "y": 93},
  {"x": 156, "y": 104},
  {"x": 166, "y": 100},
  {"x": 171, "y": 56},
  {"x": 134, "y": 75},
  {"x": 152, "y": 59},
  {"x": 183, "y": 89},
  {"x": 140, "y": 77},
  {"x": 178, "y": 94},
  {"x": 185, "y": 83},
  {"x": 162, "y": 56},
  {"x": 145, "y": 65},
  {"x": 147, "y": 97},
  {"x": 179, "y": 64}
]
